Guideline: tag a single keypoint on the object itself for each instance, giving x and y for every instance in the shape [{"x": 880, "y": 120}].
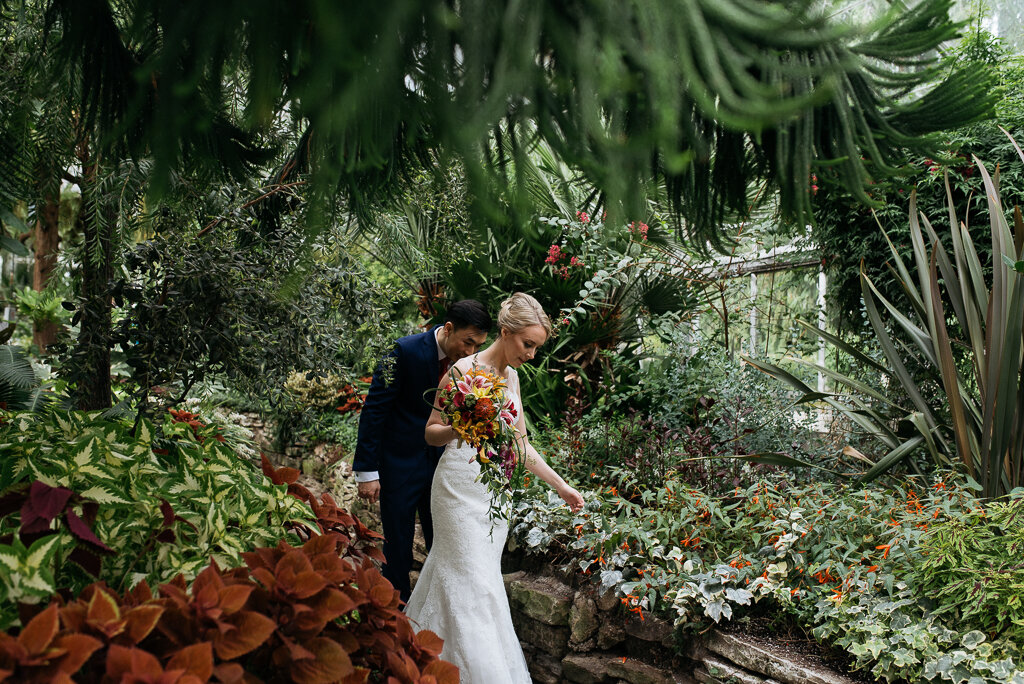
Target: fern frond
[{"x": 15, "y": 369}]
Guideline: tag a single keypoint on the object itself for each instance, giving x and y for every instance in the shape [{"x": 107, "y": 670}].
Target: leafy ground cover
[
  {"x": 918, "y": 583},
  {"x": 258, "y": 579},
  {"x": 85, "y": 499}
]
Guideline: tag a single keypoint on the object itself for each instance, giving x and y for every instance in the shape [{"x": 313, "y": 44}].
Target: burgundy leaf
[
  {"x": 12, "y": 502},
  {"x": 48, "y": 501},
  {"x": 44, "y": 504},
  {"x": 89, "y": 561},
  {"x": 168, "y": 512},
  {"x": 82, "y": 532}
]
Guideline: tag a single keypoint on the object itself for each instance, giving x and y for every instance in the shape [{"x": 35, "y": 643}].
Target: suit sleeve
[{"x": 374, "y": 416}]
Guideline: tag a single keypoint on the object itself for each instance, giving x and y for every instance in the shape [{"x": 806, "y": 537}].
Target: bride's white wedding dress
[{"x": 460, "y": 594}]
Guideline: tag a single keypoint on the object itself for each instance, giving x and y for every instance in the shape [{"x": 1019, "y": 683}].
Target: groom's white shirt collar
[
  {"x": 440, "y": 352},
  {"x": 371, "y": 475}
]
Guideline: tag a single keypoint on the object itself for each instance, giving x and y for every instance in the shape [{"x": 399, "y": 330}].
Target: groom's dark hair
[{"x": 468, "y": 312}]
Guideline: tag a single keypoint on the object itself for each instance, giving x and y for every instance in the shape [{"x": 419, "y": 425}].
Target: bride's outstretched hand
[{"x": 571, "y": 497}]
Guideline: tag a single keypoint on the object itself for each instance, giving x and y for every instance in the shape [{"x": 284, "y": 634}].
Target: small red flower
[{"x": 554, "y": 255}]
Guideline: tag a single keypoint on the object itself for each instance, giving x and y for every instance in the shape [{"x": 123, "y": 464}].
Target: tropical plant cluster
[
  {"x": 89, "y": 499},
  {"x": 860, "y": 567},
  {"x": 847, "y": 231},
  {"x": 308, "y": 614},
  {"x": 953, "y": 359},
  {"x": 258, "y": 579}
]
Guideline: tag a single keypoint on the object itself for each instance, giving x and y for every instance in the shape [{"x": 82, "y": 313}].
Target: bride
[{"x": 460, "y": 594}]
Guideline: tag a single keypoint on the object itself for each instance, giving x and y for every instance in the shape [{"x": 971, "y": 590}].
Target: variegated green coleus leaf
[{"x": 165, "y": 500}]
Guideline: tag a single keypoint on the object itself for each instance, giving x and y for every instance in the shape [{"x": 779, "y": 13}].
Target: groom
[{"x": 393, "y": 463}]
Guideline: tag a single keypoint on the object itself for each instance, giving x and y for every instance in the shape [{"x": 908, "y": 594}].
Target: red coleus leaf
[
  {"x": 167, "y": 511},
  {"x": 196, "y": 660},
  {"x": 347, "y": 640},
  {"x": 232, "y": 598},
  {"x": 278, "y": 475},
  {"x": 141, "y": 620},
  {"x": 290, "y": 652},
  {"x": 139, "y": 595},
  {"x": 44, "y": 503},
  {"x": 324, "y": 544},
  {"x": 79, "y": 648},
  {"x": 85, "y": 557},
  {"x": 334, "y": 604},
  {"x": 403, "y": 667},
  {"x": 132, "y": 665},
  {"x": 330, "y": 665},
  {"x": 248, "y": 630},
  {"x": 104, "y": 615},
  {"x": 83, "y": 533},
  {"x": 429, "y": 643},
  {"x": 229, "y": 673},
  {"x": 306, "y": 584},
  {"x": 37, "y": 635},
  {"x": 359, "y": 676},
  {"x": 382, "y": 595},
  {"x": 443, "y": 671}
]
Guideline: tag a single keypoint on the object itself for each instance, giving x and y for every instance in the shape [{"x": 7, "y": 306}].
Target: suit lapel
[{"x": 430, "y": 360}]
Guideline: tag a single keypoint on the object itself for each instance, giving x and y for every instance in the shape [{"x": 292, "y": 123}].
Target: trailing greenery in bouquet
[{"x": 479, "y": 408}]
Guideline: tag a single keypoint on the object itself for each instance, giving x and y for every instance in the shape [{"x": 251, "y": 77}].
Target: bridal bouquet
[{"x": 478, "y": 408}]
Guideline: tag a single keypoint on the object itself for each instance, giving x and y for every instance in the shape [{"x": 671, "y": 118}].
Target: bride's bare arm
[
  {"x": 438, "y": 432},
  {"x": 536, "y": 464}
]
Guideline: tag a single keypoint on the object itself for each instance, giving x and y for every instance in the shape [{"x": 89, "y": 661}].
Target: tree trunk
[
  {"x": 46, "y": 244},
  {"x": 92, "y": 350}
]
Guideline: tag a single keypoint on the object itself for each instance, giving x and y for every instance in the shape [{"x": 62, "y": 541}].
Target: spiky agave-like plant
[{"x": 980, "y": 423}]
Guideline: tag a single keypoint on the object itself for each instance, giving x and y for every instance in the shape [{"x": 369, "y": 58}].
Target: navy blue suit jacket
[{"x": 394, "y": 416}]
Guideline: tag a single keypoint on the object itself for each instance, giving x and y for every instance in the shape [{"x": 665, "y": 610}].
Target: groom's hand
[{"x": 370, "y": 491}]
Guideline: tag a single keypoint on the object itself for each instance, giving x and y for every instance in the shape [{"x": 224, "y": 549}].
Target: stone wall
[{"x": 577, "y": 635}]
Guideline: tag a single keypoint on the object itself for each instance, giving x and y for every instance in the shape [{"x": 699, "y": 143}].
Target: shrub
[
  {"x": 308, "y": 615},
  {"x": 315, "y": 391},
  {"x": 167, "y": 499},
  {"x": 700, "y": 414},
  {"x": 319, "y": 612},
  {"x": 971, "y": 567}
]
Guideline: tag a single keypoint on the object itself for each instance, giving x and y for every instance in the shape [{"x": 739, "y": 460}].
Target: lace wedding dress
[{"x": 460, "y": 594}]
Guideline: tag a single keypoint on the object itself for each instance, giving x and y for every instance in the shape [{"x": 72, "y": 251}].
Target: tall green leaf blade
[
  {"x": 891, "y": 459},
  {"x": 1005, "y": 415},
  {"x": 918, "y": 335},
  {"x": 998, "y": 307},
  {"x": 844, "y": 379},
  {"x": 890, "y": 350},
  {"x": 844, "y": 346},
  {"x": 950, "y": 376}
]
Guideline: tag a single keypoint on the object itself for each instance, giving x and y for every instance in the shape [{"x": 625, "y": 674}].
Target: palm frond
[{"x": 704, "y": 96}]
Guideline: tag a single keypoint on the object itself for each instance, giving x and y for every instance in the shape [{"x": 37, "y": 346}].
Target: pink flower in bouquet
[{"x": 508, "y": 414}]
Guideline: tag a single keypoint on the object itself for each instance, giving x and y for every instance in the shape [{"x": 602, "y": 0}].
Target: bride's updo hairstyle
[{"x": 521, "y": 311}]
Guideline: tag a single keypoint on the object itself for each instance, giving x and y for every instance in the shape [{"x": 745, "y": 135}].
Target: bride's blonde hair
[{"x": 521, "y": 311}]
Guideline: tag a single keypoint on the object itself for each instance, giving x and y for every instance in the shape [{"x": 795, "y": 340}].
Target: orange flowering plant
[{"x": 479, "y": 408}]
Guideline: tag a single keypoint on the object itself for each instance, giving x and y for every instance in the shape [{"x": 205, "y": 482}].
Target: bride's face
[{"x": 523, "y": 345}]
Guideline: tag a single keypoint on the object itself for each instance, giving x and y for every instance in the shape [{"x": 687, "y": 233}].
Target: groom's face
[{"x": 461, "y": 342}]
